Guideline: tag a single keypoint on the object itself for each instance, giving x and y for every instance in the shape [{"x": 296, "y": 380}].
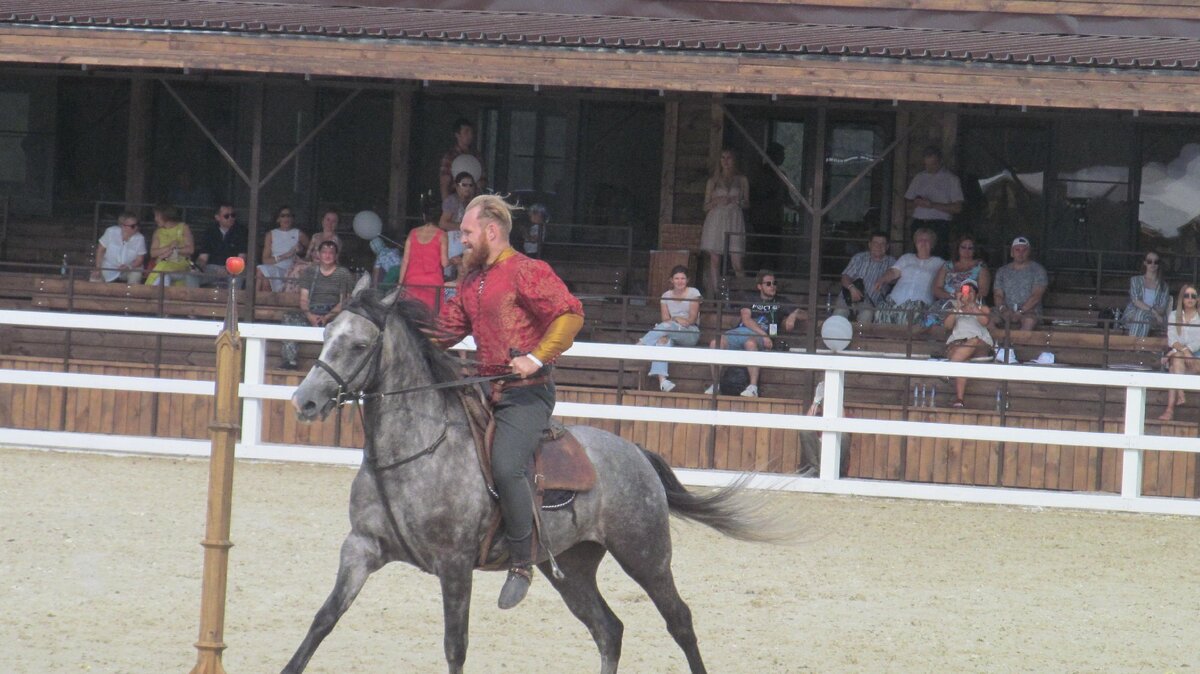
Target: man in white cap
[{"x": 1019, "y": 288}]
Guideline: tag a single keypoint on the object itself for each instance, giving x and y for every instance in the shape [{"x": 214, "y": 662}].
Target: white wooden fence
[{"x": 1133, "y": 440}]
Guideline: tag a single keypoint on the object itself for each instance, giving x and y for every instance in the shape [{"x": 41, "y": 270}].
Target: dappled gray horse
[{"x": 426, "y": 466}]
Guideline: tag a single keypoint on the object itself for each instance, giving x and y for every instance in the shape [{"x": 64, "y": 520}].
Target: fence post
[
  {"x": 1135, "y": 426},
  {"x": 255, "y": 368},
  {"x": 831, "y": 441}
]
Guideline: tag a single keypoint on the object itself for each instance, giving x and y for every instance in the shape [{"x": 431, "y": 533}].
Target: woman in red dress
[{"x": 426, "y": 254}]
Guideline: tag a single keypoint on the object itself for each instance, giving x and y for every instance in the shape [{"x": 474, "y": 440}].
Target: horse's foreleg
[
  {"x": 579, "y": 591},
  {"x": 359, "y": 559},
  {"x": 456, "y": 610}
]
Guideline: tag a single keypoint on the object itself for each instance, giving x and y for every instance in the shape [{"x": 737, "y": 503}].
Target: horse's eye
[{"x": 360, "y": 346}]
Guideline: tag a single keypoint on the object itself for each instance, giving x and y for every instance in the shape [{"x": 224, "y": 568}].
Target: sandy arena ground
[{"x": 100, "y": 572}]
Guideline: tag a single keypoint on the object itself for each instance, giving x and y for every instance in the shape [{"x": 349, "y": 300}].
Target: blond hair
[{"x": 493, "y": 208}]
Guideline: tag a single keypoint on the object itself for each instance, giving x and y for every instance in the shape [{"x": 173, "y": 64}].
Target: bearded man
[{"x": 511, "y": 304}]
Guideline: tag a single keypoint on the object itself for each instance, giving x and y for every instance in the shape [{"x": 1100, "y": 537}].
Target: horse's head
[{"x": 352, "y": 343}]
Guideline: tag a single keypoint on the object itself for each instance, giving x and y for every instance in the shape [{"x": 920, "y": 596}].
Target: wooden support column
[
  {"x": 138, "y": 142},
  {"x": 666, "y": 191},
  {"x": 900, "y": 179},
  {"x": 818, "y": 217},
  {"x": 398, "y": 177},
  {"x": 716, "y": 134},
  {"x": 257, "y": 94}
]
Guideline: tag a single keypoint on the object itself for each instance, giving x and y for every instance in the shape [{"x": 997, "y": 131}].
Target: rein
[{"x": 345, "y": 396}]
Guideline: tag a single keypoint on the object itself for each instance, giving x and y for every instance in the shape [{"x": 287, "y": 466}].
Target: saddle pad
[{"x": 562, "y": 464}]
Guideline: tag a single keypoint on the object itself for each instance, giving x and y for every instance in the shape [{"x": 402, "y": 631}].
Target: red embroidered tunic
[{"x": 509, "y": 305}]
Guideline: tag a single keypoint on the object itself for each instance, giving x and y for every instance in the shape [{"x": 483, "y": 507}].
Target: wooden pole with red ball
[{"x": 224, "y": 430}]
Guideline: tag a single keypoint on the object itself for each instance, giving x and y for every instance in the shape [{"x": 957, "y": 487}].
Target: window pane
[{"x": 555, "y": 137}]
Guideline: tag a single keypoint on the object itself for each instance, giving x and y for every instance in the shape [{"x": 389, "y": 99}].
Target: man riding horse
[{"x": 522, "y": 317}]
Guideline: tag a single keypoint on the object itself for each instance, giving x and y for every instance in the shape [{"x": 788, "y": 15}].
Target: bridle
[{"x": 346, "y": 396}]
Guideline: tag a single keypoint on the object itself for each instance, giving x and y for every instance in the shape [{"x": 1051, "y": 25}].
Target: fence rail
[{"x": 1133, "y": 440}]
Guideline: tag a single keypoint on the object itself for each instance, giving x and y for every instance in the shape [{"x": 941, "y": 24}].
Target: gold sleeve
[{"x": 559, "y": 337}]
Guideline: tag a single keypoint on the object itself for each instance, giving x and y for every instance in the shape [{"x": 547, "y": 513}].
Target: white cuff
[{"x": 534, "y": 358}]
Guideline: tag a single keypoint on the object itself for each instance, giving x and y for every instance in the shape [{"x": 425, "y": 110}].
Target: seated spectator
[
  {"x": 1183, "y": 342},
  {"x": 913, "y": 274},
  {"x": 1149, "y": 299},
  {"x": 859, "y": 292},
  {"x": 538, "y": 218},
  {"x": 426, "y": 255},
  {"x": 949, "y": 280},
  {"x": 762, "y": 316},
  {"x": 679, "y": 324},
  {"x": 121, "y": 253},
  {"x": 385, "y": 274},
  {"x": 171, "y": 247},
  {"x": 221, "y": 240},
  {"x": 1020, "y": 285},
  {"x": 969, "y": 337},
  {"x": 280, "y": 250},
  {"x": 323, "y": 290},
  {"x": 328, "y": 232}
]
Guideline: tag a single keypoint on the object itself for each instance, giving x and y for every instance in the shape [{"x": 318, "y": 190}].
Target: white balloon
[
  {"x": 836, "y": 332},
  {"x": 466, "y": 162},
  {"x": 367, "y": 225}
]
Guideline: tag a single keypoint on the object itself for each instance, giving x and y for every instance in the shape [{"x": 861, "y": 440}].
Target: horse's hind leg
[
  {"x": 360, "y": 558},
  {"x": 456, "y": 609},
  {"x": 579, "y": 591},
  {"x": 652, "y": 570}
]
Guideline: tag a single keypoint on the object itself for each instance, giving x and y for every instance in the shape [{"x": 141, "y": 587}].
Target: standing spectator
[
  {"x": 171, "y": 247},
  {"x": 121, "y": 252},
  {"x": 1183, "y": 340},
  {"x": 679, "y": 324},
  {"x": 859, "y": 292},
  {"x": 426, "y": 255},
  {"x": 280, "y": 250},
  {"x": 1020, "y": 285},
  {"x": 385, "y": 274},
  {"x": 726, "y": 194},
  {"x": 969, "y": 337},
  {"x": 323, "y": 290},
  {"x": 539, "y": 217},
  {"x": 224, "y": 238},
  {"x": 761, "y": 318},
  {"x": 962, "y": 266},
  {"x": 464, "y": 139},
  {"x": 453, "y": 209},
  {"x": 935, "y": 196},
  {"x": 1149, "y": 299},
  {"x": 913, "y": 274}
]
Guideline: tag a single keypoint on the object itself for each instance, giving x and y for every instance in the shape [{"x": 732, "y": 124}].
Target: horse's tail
[{"x": 730, "y": 510}]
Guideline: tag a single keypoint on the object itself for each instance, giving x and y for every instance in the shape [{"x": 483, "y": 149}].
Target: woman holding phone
[{"x": 969, "y": 337}]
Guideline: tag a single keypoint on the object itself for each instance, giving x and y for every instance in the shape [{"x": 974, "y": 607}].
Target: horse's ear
[
  {"x": 391, "y": 297},
  {"x": 363, "y": 284}
]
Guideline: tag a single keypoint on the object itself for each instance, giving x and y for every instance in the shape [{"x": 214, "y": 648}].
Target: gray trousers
[{"x": 521, "y": 416}]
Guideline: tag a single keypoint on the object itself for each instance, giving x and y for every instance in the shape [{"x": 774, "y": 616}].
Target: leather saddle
[{"x": 560, "y": 468}]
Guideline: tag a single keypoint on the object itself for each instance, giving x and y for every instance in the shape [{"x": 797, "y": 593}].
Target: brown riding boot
[{"x": 520, "y": 572}]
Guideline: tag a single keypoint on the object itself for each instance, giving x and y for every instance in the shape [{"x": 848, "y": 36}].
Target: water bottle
[
  {"x": 933, "y": 396},
  {"x": 828, "y": 303},
  {"x": 922, "y": 402},
  {"x": 65, "y": 266},
  {"x": 916, "y": 388},
  {"x": 999, "y": 403}
]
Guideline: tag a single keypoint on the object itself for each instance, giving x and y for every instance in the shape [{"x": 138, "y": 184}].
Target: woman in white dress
[
  {"x": 280, "y": 249},
  {"x": 969, "y": 337},
  {"x": 1183, "y": 342},
  {"x": 726, "y": 195}
]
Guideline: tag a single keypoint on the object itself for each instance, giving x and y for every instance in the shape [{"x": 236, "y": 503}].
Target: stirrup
[{"x": 516, "y": 586}]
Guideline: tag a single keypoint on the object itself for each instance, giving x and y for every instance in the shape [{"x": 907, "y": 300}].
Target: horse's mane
[{"x": 421, "y": 326}]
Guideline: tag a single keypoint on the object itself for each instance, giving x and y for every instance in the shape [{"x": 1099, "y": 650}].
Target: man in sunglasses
[
  {"x": 763, "y": 315},
  {"x": 1019, "y": 288},
  {"x": 224, "y": 238}
]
